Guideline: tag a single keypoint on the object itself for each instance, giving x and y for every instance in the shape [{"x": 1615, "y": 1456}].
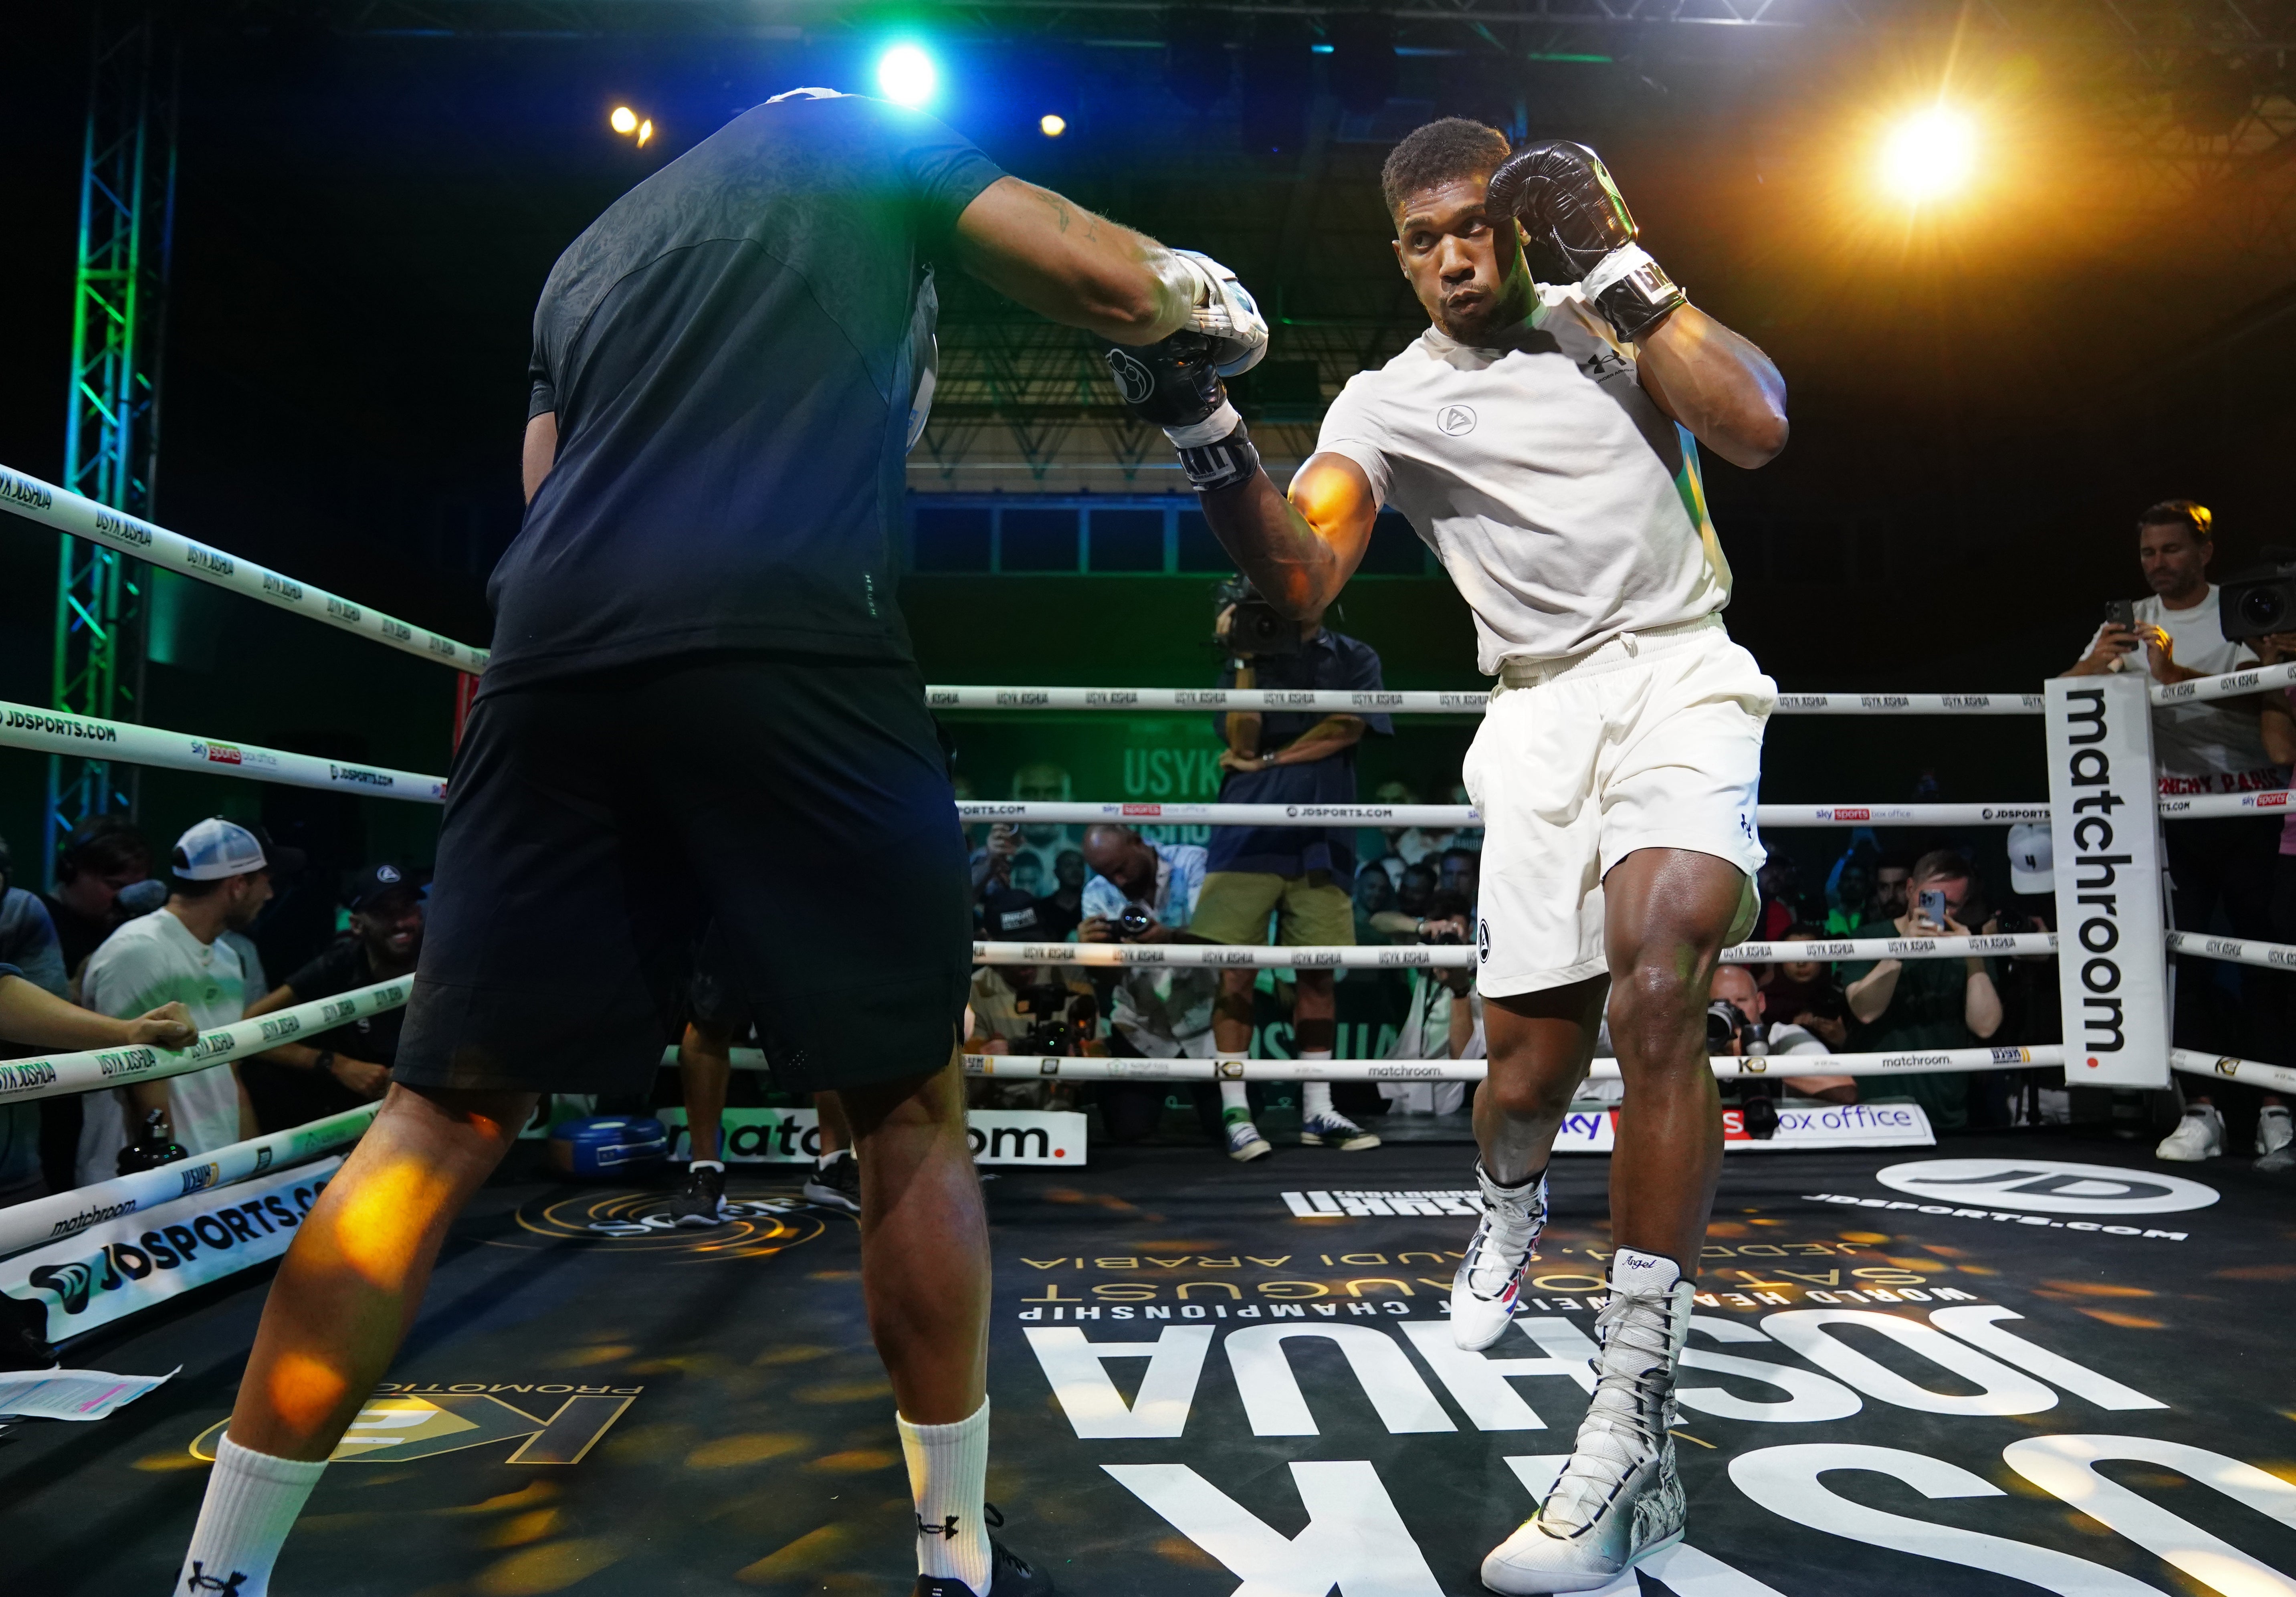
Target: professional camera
[
  {"x": 2261, "y": 599},
  {"x": 1726, "y": 1025},
  {"x": 1445, "y": 905},
  {"x": 2010, "y": 922},
  {"x": 1060, "y": 1021},
  {"x": 1257, "y": 631},
  {"x": 1135, "y": 922}
]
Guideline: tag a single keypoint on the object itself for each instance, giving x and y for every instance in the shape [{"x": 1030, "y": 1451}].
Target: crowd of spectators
[{"x": 119, "y": 956}]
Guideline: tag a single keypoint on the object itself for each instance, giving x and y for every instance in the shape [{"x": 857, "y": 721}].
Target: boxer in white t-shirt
[{"x": 1542, "y": 436}]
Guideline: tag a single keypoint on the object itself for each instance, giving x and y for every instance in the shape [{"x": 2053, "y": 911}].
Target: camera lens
[{"x": 2264, "y": 608}]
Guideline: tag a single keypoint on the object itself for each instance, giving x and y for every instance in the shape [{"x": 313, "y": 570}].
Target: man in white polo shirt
[
  {"x": 178, "y": 954},
  {"x": 1542, "y": 436}
]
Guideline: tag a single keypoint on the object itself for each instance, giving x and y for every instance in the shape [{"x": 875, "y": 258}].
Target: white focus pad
[{"x": 1226, "y": 314}]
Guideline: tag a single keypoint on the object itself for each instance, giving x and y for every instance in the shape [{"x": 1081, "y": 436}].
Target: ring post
[{"x": 2106, "y": 831}]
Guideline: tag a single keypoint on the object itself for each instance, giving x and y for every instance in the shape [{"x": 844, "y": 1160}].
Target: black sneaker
[
  {"x": 836, "y": 1185},
  {"x": 701, "y": 1203},
  {"x": 1009, "y": 1575}
]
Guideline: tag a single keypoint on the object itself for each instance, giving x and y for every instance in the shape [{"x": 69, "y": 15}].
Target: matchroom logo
[{"x": 2111, "y": 955}]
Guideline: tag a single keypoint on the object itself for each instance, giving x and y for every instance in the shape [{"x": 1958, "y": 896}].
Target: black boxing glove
[
  {"x": 1577, "y": 229},
  {"x": 1172, "y": 384}
]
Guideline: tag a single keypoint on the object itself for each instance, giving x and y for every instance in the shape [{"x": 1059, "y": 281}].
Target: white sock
[
  {"x": 706, "y": 1164},
  {"x": 1315, "y": 1096},
  {"x": 948, "y": 1476},
  {"x": 251, "y": 1503},
  {"x": 1233, "y": 1100},
  {"x": 1633, "y": 1270}
]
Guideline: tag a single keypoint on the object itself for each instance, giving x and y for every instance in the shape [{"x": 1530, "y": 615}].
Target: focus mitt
[{"x": 1227, "y": 314}]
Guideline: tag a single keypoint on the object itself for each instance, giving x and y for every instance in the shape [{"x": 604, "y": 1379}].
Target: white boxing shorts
[{"x": 1651, "y": 739}]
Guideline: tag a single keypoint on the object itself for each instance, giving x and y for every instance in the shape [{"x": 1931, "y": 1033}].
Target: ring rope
[
  {"x": 37, "y": 500},
  {"x": 53, "y": 731},
  {"x": 1399, "y": 701},
  {"x": 2037, "y": 1056},
  {"x": 61, "y": 1214},
  {"x": 1373, "y": 956},
  {"x": 2238, "y": 951},
  {"x": 66, "y": 512},
  {"x": 54, "y": 1075}
]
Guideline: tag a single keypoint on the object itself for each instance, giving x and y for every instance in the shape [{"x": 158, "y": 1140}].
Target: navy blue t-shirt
[
  {"x": 1329, "y": 659},
  {"x": 727, "y": 351}
]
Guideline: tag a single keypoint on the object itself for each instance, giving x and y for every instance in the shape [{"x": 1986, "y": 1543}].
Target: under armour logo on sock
[
  {"x": 946, "y": 1527},
  {"x": 202, "y": 1581}
]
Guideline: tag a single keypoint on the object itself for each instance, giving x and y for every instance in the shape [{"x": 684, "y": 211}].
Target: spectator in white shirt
[
  {"x": 2214, "y": 745},
  {"x": 179, "y": 955}
]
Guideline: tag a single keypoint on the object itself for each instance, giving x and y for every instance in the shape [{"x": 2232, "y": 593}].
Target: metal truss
[{"x": 112, "y": 436}]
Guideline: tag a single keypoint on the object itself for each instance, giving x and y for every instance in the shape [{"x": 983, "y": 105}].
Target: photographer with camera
[
  {"x": 1738, "y": 1026},
  {"x": 2178, "y": 633},
  {"x": 1299, "y": 875},
  {"x": 1144, "y": 892}
]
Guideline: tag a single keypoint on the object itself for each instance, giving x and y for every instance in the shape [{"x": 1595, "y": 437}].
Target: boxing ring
[{"x": 1934, "y": 1303}]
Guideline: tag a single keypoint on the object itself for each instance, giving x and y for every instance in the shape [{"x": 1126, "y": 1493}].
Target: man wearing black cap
[{"x": 297, "y": 1083}]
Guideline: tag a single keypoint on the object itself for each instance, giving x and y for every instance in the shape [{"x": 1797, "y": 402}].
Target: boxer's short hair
[
  {"x": 2190, "y": 514},
  {"x": 1442, "y": 152}
]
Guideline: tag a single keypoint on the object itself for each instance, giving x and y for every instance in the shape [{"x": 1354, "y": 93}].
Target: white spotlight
[
  {"x": 1929, "y": 154},
  {"x": 907, "y": 76}
]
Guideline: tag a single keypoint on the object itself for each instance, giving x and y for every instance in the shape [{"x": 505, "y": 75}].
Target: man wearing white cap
[{"x": 178, "y": 954}]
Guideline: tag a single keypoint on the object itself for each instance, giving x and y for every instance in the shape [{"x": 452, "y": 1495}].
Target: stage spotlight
[
  {"x": 907, "y": 76},
  {"x": 624, "y": 119},
  {"x": 1053, "y": 125},
  {"x": 1929, "y": 155}
]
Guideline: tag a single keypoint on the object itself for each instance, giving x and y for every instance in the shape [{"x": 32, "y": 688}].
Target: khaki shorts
[{"x": 1308, "y": 910}]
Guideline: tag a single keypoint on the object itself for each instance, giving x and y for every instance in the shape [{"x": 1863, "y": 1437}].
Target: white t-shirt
[
  {"x": 1565, "y": 504},
  {"x": 150, "y": 960},
  {"x": 2215, "y": 746}
]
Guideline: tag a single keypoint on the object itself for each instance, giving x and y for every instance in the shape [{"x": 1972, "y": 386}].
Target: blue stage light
[{"x": 907, "y": 76}]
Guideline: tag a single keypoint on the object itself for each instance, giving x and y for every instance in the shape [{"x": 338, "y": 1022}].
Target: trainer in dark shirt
[
  {"x": 349, "y": 1065},
  {"x": 1328, "y": 659},
  {"x": 730, "y": 352}
]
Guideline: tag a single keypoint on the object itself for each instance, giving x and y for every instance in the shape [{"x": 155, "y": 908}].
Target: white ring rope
[
  {"x": 1404, "y": 702},
  {"x": 66, "y": 1213},
  {"x": 2278, "y": 1079},
  {"x": 83, "y": 518},
  {"x": 2230, "y": 685},
  {"x": 53, "y": 732},
  {"x": 1040, "y": 1067},
  {"x": 53, "y": 1075},
  {"x": 1394, "y": 701},
  {"x": 1450, "y": 817},
  {"x": 2040, "y": 1055},
  {"x": 2238, "y": 951},
  {"x": 1448, "y": 956}
]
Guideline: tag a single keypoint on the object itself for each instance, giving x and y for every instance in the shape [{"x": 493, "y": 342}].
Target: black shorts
[
  {"x": 713, "y": 998},
  {"x": 595, "y": 825}
]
